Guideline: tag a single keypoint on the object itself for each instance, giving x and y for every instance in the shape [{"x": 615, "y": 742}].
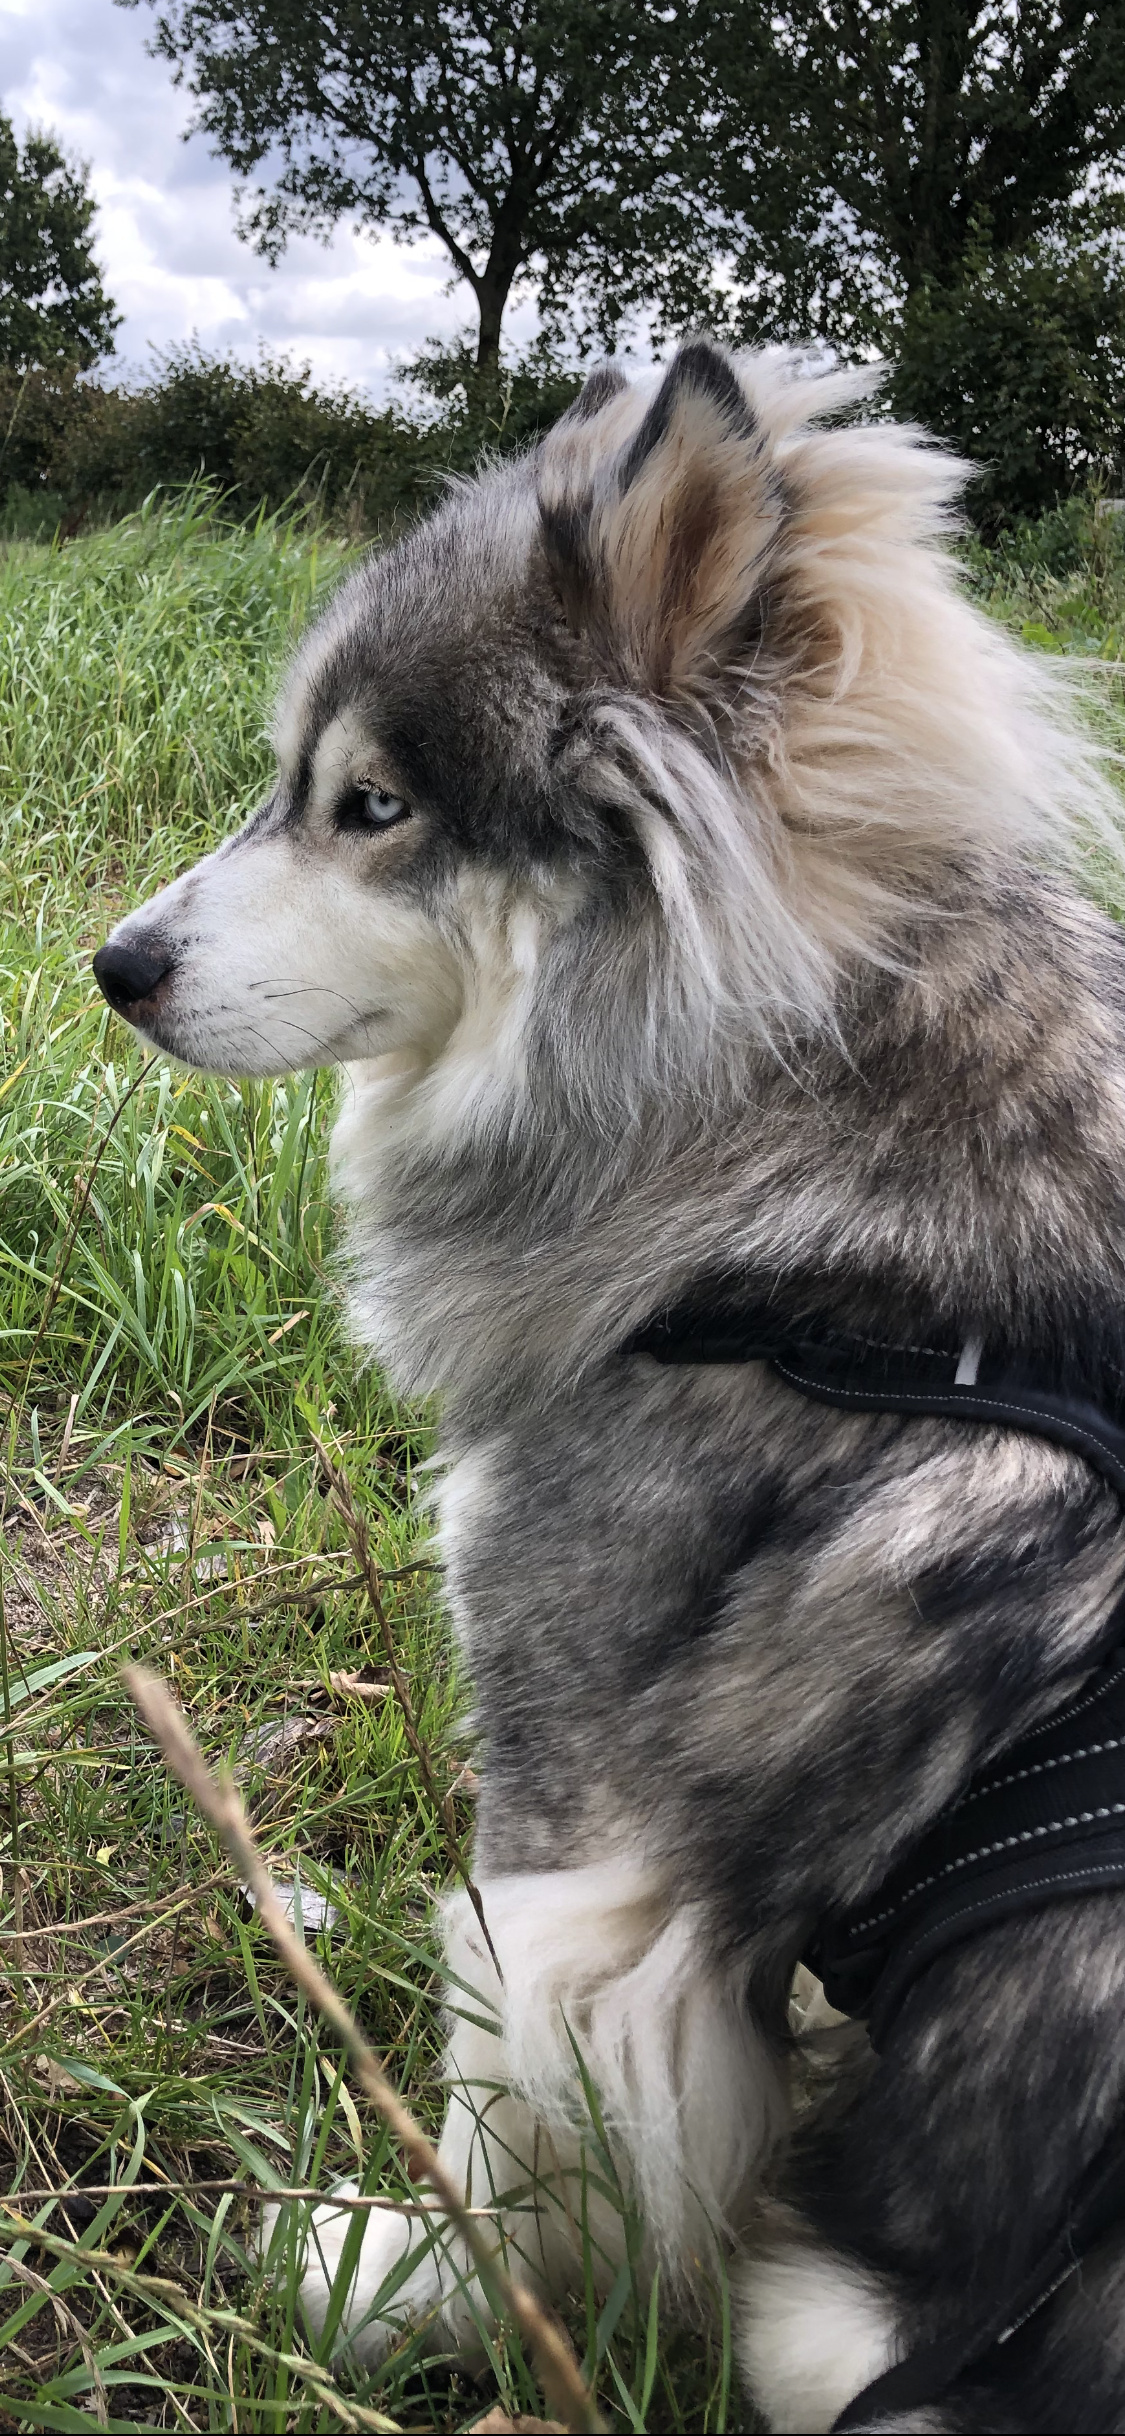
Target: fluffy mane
[
  {"x": 776, "y": 688},
  {"x": 811, "y": 726}
]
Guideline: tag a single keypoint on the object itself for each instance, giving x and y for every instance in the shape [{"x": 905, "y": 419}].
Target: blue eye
[{"x": 382, "y": 811}]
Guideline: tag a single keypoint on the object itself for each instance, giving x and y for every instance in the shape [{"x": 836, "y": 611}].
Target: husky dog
[{"x": 681, "y": 867}]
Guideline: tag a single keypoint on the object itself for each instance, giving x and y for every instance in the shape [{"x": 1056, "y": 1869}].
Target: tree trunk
[
  {"x": 494, "y": 285},
  {"x": 492, "y": 296},
  {"x": 937, "y": 225}
]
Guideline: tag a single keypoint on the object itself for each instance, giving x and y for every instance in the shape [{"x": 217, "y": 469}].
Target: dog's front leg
[
  {"x": 602, "y": 1979},
  {"x": 495, "y": 2149}
]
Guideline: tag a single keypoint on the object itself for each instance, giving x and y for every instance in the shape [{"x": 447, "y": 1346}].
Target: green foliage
[
  {"x": 1021, "y": 366},
  {"x": 265, "y": 434},
  {"x": 53, "y": 310},
  {"x": 916, "y": 181},
  {"x": 529, "y": 142},
  {"x": 846, "y": 153},
  {"x": 1059, "y": 583},
  {"x": 261, "y": 432},
  {"x": 60, "y": 434}
]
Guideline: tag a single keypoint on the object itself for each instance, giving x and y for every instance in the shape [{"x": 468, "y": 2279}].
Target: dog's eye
[
  {"x": 381, "y": 810},
  {"x": 372, "y": 808}
]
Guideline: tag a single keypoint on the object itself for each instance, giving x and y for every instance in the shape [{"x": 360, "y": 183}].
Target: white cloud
[{"x": 165, "y": 230}]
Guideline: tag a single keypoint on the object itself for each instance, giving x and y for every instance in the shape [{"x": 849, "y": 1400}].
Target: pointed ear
[
  {"x": 656, "y": 541},
  {"x": 605, "y": 382}
]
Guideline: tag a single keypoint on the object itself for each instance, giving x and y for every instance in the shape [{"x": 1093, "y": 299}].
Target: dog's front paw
[{"x": 406, "y": 2276}]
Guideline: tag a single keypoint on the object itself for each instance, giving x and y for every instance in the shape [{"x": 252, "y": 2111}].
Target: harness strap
[
  {"x": 916, "y": 1380},
  {"x": 1049, "y": 1818},
  {"x": 926, "y": 2374},
  {"x": 1044, "y": 1820}
]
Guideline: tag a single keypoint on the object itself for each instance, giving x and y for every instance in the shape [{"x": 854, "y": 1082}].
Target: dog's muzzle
[{"x": 130, "y": 976}]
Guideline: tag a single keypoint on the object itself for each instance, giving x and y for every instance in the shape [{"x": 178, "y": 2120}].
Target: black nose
[{"x": 126, "y": 975}]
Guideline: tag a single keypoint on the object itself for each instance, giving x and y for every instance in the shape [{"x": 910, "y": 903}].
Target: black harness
[{"x": 1044, "y": 1820}]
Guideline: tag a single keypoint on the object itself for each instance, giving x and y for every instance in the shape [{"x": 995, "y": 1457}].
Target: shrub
[
  {"x": 488, "y": 407},
  {"x": 79, "y": 448},
  {"x": 1021, "y": 366}
]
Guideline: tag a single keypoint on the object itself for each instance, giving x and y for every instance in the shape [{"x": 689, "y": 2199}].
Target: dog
[{"x": 690, "y": 880}]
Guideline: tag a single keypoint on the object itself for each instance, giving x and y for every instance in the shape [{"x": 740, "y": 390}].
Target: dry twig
[
  {"x": 153, "y": 1908},
  {"x": 358, "y": 2202},
  {"x": 562, "y": 2380}
]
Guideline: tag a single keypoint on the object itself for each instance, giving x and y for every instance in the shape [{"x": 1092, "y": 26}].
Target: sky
[{"x": 165, "y": 232}]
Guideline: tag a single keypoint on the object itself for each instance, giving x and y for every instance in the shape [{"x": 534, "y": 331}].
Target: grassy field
[{"x": 169, "y": 1343}]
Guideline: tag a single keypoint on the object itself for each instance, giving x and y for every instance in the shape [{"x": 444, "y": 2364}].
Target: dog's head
[{"x": 667, "y": 720}]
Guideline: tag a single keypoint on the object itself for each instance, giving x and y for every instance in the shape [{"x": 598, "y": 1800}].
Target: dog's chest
[{"x": 587, "y": 1549}]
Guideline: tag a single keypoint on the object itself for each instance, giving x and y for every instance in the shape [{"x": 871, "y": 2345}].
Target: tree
[
  {"x": 532, "y": 140},
  {"x": 848, "y": 148},
  {"x": 53, "y": 309}
]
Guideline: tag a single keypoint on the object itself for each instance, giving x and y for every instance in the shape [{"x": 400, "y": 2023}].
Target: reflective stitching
[
  {"x": 991, "y": 1411},
  {"x": 1063, "y": 2277},
  {"x": 1066, "y": 1716},
  {"x": 1039, "y": 1767},
  {"x": 1062, "y": 1877},
  {"x": 878, "y": 1344},
  {"x": 984, "y": 1852}
]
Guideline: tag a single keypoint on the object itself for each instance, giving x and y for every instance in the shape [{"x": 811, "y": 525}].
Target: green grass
[{"x": 168, "y": 1331}]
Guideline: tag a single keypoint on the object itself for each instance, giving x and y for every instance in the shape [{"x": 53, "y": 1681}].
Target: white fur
[
  {"x": 480, "y": 1077},
  {"x": 685, "y": 2083},
  {"x": 812, "y": 2333},
  {"x": 690, "y": 2097},
  {"x": 294, "y": 962},
  {"x": 457, "y": 1498}
]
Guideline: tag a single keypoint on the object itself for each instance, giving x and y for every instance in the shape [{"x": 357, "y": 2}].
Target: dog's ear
[
  {"x": 656, "y": 536},
  {"x": 605, "y": 382}
]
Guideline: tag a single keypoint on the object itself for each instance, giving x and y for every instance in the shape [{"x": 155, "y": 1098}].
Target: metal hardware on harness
[{"x": 1045, "y": 1819}]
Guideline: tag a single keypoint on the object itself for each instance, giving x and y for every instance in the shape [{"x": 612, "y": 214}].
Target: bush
[
  {"x": 488, "y": 408},
  {"x": 78, "y": 448},
  {"x": 1022, "y": 367}
]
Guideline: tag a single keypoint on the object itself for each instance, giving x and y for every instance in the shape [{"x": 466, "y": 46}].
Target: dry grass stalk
[
  {"x": 71, "y": 2326},
  {"x": 360, "y": 2203},
  {"x": 563, "y": 2384},
  {"x": 106, "y": 1963}
]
